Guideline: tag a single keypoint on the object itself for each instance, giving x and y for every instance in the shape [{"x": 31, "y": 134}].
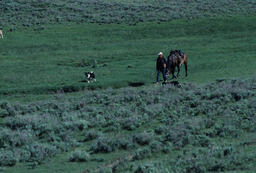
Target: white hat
[{"x": 160, "y": 53}]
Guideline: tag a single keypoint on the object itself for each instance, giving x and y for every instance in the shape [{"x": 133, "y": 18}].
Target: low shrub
[
  {"x": 6, "y": 109},
  {"x": 106, "y": 144},
  {"x": 103, "y": 144},
  {"x": 161, "y": 129},
  {"x": 199, "y": 140},
  {"x": 179, "y": 137},
  {"x": 7, "y": 158},
  {"x": 229, "y": 130},
  {"x": 143, "y": 138},
  {"x": 9, "y": 138},
  {"x": 130, "y": 123},
  {"x": 156, "y": 146},
  {"x": 3, "y": 113},
  {"x": 167, "y": 147},
  {"x": 79, "y": 156},
  {"x": 39, "y": 152},
  {"x": 142, "y": 153},
  {"x": 124, "y": 143},
  {"x": 91, "y": 135}
]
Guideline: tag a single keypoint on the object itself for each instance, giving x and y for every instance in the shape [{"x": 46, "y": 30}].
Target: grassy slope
[
  {"x": 36, "y": 63},
  {"x": 43, "y": 62},
  {"x": 18, "y": 13},
  {"x": 206, "y": 122}
]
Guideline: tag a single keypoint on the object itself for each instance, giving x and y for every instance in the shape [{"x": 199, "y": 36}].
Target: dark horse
[{"x": 176, "y": 59}]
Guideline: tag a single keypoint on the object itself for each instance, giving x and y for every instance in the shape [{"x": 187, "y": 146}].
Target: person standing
[
  {"x": 1, "y": 34},
  {"x": 160, "y": 66}
]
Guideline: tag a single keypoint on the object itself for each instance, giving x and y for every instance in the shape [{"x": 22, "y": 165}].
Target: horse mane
[
  {"x": 171, "y": 58},
  {"x": 172, "y": 52}
]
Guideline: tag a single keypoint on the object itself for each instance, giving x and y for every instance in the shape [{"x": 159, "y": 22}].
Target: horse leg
[
  {"x": 173, "y": 70},
  {"x": 178, "y": 70},
  {"x": 185, "y": 64},
  {"x": 167, "y": 72},
  {"x": 186, "y": 68}
]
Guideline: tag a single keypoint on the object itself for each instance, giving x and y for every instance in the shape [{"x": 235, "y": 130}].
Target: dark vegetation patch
[
  {"x": 174, "y": 83},
  {"x": 136, "y": 84},
  {"x": 84, "y": 81}
]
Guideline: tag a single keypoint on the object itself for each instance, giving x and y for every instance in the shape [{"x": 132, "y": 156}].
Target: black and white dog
[{"x": 90, "y": 76}]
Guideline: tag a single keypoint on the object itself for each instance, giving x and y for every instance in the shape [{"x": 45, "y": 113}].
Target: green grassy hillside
[
  {"x": 55, "y": 59},
  {"x": 53, "y": 121}
]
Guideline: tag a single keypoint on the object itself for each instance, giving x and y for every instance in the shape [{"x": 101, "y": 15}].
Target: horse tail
[
  {"x": 186, "y": 63},
  {"x": 168, "y": 62}
]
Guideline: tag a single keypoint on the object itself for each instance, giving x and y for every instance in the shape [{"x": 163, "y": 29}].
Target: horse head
[{"x": 172, "y": 52}]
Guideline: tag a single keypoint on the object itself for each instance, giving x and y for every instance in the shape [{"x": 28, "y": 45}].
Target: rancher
[
  {"x": 160, "y": 66},
  {"x": 1, "y": 34}
]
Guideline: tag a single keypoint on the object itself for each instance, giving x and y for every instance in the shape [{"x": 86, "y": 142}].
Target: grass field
[
  {"x": 53, "y": 121},
  {"x": 53, "y": 60}
]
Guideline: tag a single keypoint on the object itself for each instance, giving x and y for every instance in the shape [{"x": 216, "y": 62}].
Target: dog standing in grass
[
  {"x": 1, "y": 34},
  {"x": 90, "y": 76}
]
